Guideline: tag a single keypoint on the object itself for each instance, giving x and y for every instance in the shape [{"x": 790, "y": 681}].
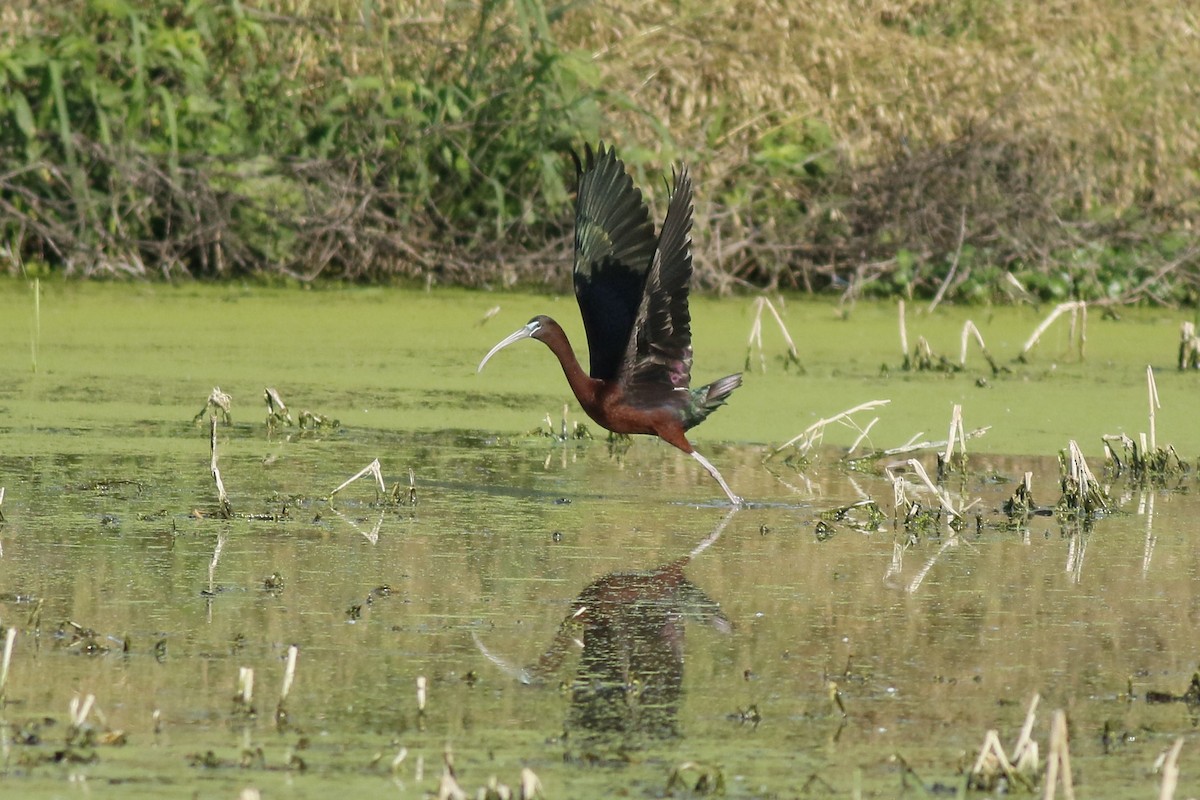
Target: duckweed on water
[{"x": 764, "y": 661}]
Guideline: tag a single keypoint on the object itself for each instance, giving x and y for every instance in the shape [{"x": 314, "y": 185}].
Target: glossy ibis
[{"x": 632, "y": 290}]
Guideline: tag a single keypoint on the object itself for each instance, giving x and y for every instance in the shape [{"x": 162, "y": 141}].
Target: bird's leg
[{"x": 733, "y": 498}]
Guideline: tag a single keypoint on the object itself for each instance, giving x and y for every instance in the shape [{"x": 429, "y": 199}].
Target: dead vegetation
[{"x": 927, "y": 149}]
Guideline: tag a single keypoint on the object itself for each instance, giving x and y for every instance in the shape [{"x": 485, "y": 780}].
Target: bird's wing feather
[
  {"x": 658, "y": 357},
  {"x": 614, "y": 245}
]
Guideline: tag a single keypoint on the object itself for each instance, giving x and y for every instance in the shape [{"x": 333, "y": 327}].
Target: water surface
[{"x": 585, "y": 609}]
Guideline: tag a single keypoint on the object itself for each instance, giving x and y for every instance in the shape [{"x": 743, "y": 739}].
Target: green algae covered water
[{"x": 586, "y": 610}]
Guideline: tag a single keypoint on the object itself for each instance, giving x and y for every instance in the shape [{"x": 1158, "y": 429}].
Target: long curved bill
[{"x": 516, "y": 336}]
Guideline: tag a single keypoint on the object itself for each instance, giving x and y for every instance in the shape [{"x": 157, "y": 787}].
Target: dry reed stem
[
  {"x": 813, "y": 434},
  {"x": 1189, "y": 347},
  {"x": 1058, "y": 760},
  {"x": 1170, "y": 771},
  {"x": 1062, "y": 308},
  {"x": 941, "y": 494},
  {"x": 2, "y": 504},
  {"x": 222, "y": 498},
  {"x": 991, "y": 755},
  {"x": 10, "y": 638},
  {"x": 866, "y": 431},
  {"x": 956, "y": 432},
  {"x": 531, "y": 784},
  {"x": 1025, "y": 751},
  {"x": 1090, "y": 493},
  {"x": 755, "y": 338},
  {"x": 912, "y": 446},
  {"x": 370, "y": 469},
  {"x": 245, "y": 685},
  {"x": 289, "y": 673},
  {"x": 277, "y": 410},
  {"x": 1152, "y": 388},
  {"x": 903, "y": 331},
  {"x": 449, "y": 789},
  {"x": 421, "y": 684},
  {"x": 79, "y": 710},
  {"x": 787, "y": 337},
  {"x": 969, "y": 329}
]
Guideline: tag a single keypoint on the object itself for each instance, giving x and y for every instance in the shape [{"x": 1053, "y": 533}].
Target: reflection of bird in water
[
  {"x": 630, "y": 626},
  {"x": 632, "y": 290},
  {"x": 630, "y": 674}
]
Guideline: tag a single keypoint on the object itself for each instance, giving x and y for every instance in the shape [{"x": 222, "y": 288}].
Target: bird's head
[{"x": 531, "y": 330}]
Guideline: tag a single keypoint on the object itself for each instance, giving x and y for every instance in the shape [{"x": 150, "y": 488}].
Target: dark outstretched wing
[
  {"x": 614, "y": 244},
  {"x": 658, "y": 358}
]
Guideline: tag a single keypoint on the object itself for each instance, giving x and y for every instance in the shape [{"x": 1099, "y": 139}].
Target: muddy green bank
[{"x": 566, "y": 602}]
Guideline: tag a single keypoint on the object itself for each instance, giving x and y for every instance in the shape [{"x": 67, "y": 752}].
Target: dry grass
[{"x": 829, "y": 141}]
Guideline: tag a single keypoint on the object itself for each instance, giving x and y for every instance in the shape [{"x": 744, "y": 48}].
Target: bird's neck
[{"x": 585, "y": 387}]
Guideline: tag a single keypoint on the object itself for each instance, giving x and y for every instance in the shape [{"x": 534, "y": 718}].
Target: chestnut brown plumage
[{"x": 632, "y": 290}]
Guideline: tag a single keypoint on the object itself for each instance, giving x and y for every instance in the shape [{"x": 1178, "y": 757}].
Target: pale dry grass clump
[{"x": 1029, "y": 121}]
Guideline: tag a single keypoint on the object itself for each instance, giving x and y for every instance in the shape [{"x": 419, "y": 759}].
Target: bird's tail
[{"x": 707, "y": 399}]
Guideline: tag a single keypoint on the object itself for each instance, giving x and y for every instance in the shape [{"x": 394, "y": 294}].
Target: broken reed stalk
[
  {"x": 992, "y": 761},
  {"x": 78, "y": 710},
  {"x": 289, "y": 674},
  {"x": 1077, "y": 308},
  {"x": 401, "y": 754},
  {"x": 939, "y": 493},
  {"x": 991, "y": 757},
  {"x": 219, "y": 401},
  {"x": 866, "y": 431},
  {"x": 969, "y": 330},
  {"x": 956, "y": 432},
  {"x": 1170, "y": 772},
  {"x": 756, "y": 335},
  {"x": 812, "y": 435},
  {"x": 449, "y": 789},
  {"x": 787, "y": 337},
  {"x": 1, "y": 504},
  {"x": 1152, "y": 387},
  {"x": 1081, "y": 489},
  {"x": 245, "y": 687},
  {"x": 903, "y": 333},
  {"x": 531, "y": 785},
  {"x": 10, "y": 638},
  {"x": 277, "y": 410},
  {"x": 370, "y": 469},
  {"x": 912, "y": 445},
  {"x": 1025, "y": 751},
  {"x": 222, "y": 498},
  {"x": 1058, "y": 760},
  {"x": 421, "y": 683},
  {"x": 1189, "y": 346}
]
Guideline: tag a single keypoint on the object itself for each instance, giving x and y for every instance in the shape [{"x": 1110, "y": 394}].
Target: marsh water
[{"x": 586, "y": 609}]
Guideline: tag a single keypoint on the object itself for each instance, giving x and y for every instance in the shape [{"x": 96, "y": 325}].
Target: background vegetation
[{"x": 983, "y": 148}]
